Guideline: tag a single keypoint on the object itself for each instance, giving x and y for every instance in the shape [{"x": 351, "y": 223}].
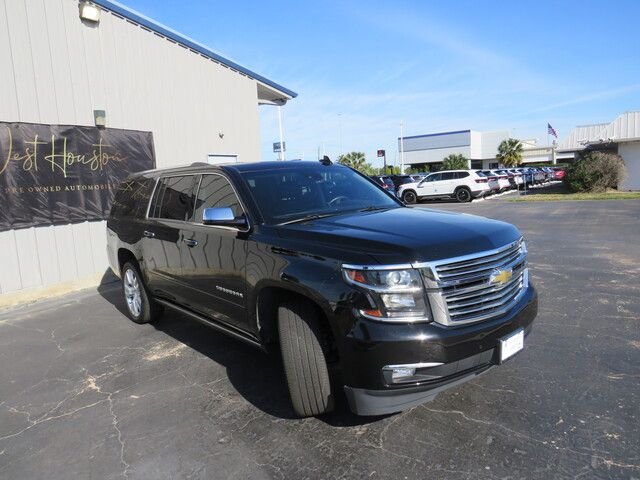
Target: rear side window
[
  {"x": 463, "y": 174},
  {"x": 174, "y": 199},
  {"x": 132, "y": 197},
  {"x": 448, "y": 175},
  {"x": 216, "y": 192}
]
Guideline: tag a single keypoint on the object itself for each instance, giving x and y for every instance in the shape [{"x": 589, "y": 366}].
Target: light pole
[
  {"x": 401, "y": 149},
  {"x": 340, "y": 131},
  {"x": 281, "y": 152}
]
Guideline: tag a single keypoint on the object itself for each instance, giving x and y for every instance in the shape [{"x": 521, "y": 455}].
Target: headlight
[{"x": 394, "y": 295}]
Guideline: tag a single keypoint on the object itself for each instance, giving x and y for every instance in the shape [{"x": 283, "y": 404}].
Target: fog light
[
  {"x": 401, "y": 373},
  {"x": 411, "y": 372}
]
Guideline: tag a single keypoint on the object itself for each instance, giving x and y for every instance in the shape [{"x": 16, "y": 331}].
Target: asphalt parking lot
[{"x": 85, "y": 393}]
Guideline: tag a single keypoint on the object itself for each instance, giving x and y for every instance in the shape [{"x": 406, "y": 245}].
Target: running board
[{"x": 212, "y": 324}]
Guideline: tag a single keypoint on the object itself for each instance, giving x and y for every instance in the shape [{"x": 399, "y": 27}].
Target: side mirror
[{"x": 222, "y": 217}]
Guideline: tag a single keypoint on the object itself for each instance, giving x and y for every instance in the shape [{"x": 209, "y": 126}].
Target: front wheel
[
  {"x": 141, "y": 308},
  {"x": 463, "y": 195},
  {"x": 409, "y": 197},
  {"x": 305, "y": 364}
]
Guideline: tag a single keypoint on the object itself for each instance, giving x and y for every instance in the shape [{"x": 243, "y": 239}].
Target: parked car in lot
[
  {"x": 394, "y": 304},
  {"x": 518, "y": 177},
  {"x": 385, "y": 182},
  {"x": 558, "y": 172},
  {"x": 462, "y": 185},
  {"x": 492, "y": 181},
  {"x": 399, "y": 180},
  {"x": 513, "y": 183},
  {"x": 527, "y": 176},
  {"x": 503, "y": 179}
]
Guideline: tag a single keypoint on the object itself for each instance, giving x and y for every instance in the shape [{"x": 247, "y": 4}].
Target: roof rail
[{"x": 199, "y": 164}]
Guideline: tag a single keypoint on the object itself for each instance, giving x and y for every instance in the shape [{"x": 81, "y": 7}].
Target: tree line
[{"x": 509, "y": 155}]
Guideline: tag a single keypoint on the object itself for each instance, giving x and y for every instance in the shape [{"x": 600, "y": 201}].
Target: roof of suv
[{"x": 239, "y": 167}]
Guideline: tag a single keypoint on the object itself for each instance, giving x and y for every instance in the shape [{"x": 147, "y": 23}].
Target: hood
[
  {"x": 407, "y": 185},
  {"x": 403, "y": 235}
]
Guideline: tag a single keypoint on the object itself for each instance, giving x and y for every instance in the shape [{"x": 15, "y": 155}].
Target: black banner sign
[{"x": 55, "y": 174}]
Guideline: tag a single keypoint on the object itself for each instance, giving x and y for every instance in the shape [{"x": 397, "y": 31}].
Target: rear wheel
[
  {"x": 305, "y": 364},
  {"x": 141, "y": 308},
  {"x": 463, "y": 194},
  {"x": 409, "y": 197}
]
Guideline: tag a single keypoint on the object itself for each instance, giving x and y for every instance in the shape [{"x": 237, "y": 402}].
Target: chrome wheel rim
[{"x": 132, "y": 293}]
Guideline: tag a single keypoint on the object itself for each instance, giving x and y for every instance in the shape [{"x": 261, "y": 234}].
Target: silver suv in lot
[{"x": 462, "y": 185}]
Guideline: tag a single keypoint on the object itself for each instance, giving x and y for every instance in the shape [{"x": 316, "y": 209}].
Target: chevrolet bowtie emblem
[{"x": 501, "y": 277}]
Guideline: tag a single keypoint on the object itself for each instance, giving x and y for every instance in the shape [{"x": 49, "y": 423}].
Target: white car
[
  {"x": 503, "y": 179},
  {"x": 463, "y": 185}
]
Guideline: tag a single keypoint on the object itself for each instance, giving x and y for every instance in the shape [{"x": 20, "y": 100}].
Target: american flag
[{"x": 551, "y": 130}]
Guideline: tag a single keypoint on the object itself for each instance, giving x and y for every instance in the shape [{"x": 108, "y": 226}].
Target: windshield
[{"x": 283, "y": 195}]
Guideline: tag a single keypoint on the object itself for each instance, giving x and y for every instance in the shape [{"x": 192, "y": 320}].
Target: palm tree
[
  {"x": 354, "y": 160},
  {"x": 455, "y": 161},
  {"x": 510, "y": 152}
]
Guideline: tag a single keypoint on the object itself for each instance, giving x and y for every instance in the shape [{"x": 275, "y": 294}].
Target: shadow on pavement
[{"x": 256, "y": 375}]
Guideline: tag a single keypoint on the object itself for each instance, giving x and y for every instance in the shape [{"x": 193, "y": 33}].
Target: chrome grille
[{"x": 463, "y": 291}]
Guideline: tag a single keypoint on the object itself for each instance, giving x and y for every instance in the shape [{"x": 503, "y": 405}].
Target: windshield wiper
[
  {"x": 307, "y": 218},
  {"x": 372, "y": 208}
]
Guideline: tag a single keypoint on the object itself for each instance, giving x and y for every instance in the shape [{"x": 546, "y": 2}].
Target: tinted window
[
  {"x": 388, "y": 182},
  {"x": 448, "y": 176},
  {"x": 216, "y": 192},
  {"x": 175, "y": 198},
  {"x": 288, "y": 194},
  {"x": 463, "y": 174},
  {"x": 132, "y": 197},
  {"x": 434, "y": 177}
]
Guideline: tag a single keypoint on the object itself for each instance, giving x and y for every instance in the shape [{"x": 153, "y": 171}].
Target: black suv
[{"x": 389, "y": 303}]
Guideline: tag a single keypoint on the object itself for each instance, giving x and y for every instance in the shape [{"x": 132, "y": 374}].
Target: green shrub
[
  {"x": 455, "y": 161},
  {"x": 595, "y": 172}
]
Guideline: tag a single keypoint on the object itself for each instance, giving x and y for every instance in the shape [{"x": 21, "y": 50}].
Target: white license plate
[{"x": 511, "y": 344}]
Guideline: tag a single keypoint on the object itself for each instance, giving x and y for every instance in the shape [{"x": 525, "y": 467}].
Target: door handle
[
  {"x": 148, "y": 234},
  {"x": 190, "y": 242}
]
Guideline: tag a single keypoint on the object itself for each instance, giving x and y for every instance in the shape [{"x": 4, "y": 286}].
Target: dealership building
[
  {"x": 84, "y": 72},
  {"x": 428, "y": 151},
  {"x": 621, "y": 136}
]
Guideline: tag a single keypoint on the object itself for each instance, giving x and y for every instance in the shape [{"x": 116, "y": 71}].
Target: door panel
[
  {"x": 214, "y": 258},
  {"x": 162, "y": 235},
  {"x": 428, "y": 186}
]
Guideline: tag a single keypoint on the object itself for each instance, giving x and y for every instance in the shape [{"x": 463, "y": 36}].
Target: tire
[
  {"x": 463, "y": 195},
  {"x": 410, "y": 197},
  {"x": 304, "y": 361},
  {"x": 140, "y": 306}
]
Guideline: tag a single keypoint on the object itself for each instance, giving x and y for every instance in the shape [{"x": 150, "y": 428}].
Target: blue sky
[{"x": 363, "y": 67}]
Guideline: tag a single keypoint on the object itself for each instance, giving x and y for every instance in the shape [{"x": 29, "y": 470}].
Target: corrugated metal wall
[{"x": 56, "y": 69}]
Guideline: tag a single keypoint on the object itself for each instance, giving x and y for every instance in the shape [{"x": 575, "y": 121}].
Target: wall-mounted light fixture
[
  {"x": 89, "y": 11},
  {"x": 100, "y": 118}
]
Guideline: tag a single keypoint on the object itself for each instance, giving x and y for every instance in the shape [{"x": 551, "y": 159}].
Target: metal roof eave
[{"x": 139, "y": 18}]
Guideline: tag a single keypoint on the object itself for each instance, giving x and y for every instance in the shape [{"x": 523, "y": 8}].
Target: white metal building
[
  {"x": 622, "y": 136},
  {"x": 59, "y": 68}
]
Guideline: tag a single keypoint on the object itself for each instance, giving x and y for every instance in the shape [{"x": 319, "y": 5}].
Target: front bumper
[{"x": 464, "y": 352}]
